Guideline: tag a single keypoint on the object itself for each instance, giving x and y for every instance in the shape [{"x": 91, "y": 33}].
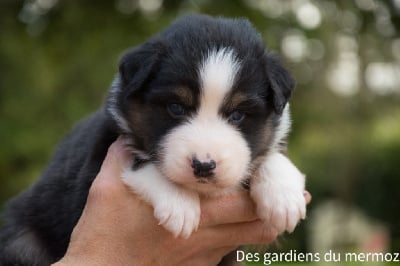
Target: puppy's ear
[
  {"x": 281, "y": 82},
  {"x": 136, "y": 66}
]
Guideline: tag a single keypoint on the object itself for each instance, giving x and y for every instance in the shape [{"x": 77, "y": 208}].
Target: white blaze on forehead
[{"x": 217, "y": 75}]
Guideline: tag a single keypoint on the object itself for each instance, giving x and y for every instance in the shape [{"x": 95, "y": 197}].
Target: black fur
[
  {"x": 49, "y": 210},
  {"x": 38, "y": 222}
]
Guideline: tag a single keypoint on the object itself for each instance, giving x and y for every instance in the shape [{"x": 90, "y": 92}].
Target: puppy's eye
[
  {"x": 236, "y": 117},
  {"x": 176, "y": 110}
]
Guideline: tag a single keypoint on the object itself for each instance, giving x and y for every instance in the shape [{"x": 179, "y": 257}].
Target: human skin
[{"x": 118, "y": 228}]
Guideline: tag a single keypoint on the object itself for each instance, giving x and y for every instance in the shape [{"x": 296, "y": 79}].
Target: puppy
[{"x": 203, "y": 107}]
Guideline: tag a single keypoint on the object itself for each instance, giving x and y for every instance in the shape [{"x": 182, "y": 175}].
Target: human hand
[{"x": 117, "y": 228}]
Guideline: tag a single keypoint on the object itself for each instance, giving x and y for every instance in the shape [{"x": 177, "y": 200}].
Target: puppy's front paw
[
  {"x": 177, "y": 209},
  {"x": 180, "y": 213},
  {"x": 278, "y": 191}
]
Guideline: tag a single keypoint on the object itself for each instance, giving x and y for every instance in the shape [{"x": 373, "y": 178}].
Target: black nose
[{"x": 203, "y": 169}]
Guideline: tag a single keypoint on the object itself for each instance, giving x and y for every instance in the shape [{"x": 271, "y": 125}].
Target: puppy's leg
[
  {"x": 278, "y": 191},
  {"x": 177, "y": 209}
]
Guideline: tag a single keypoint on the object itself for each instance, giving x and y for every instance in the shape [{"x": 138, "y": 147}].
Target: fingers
[
  {"x": 229, "y": 208},
  {"x": 308, "y": 196},
  {"x": 117, "y": 157},
  {"x": 108, "y": 182},
  {"x": 213, "y": 257},
  {"x": 247, "y": 233},
  {"x": 231, "y": 220}
]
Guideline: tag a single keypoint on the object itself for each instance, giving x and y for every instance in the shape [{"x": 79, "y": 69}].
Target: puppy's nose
[{"x": 203, "y": 169}]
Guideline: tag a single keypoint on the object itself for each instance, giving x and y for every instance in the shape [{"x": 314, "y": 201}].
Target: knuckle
[
  {"x": 266, "y": 235},
  {"x": 102, "y": 190}
]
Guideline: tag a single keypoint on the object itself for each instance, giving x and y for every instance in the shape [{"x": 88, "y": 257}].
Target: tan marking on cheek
[
  {"x": 267, "y": 136},
  {"x": 266, "y": 139},
  {"x": 136, "y": 118}
]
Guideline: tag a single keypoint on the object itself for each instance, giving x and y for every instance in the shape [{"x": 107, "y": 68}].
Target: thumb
[{"x": 118, "y": 157}]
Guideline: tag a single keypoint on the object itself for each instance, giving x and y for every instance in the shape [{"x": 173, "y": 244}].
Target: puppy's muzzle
[{"x": 203, "y": 169}]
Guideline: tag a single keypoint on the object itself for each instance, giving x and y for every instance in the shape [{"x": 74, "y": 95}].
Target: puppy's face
[{"x": 203, "y": 116}]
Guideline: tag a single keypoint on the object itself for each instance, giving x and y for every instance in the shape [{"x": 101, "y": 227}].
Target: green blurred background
[{"x": 57, "y": 60}]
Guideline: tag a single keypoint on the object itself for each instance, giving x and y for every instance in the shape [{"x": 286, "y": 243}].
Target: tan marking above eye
[
  {"x": 233, "y": 101},
  {"x": 186, "y": 95},
  {"x": 238, "y": 98}
]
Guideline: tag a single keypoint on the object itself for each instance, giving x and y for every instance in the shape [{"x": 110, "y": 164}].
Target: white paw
[
  {"x": 278, "y": 191},
  {"x": 179, "y": 213},
  {"x": 177, "y": 209}
]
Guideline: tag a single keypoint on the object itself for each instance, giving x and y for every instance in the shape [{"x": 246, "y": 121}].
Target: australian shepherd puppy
[{"x": 203, "y": 107}]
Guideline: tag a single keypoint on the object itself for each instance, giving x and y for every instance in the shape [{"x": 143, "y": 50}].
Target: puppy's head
[{"x": 202, "y": 100}]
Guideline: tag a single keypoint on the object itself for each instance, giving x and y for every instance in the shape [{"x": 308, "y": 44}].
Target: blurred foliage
[{"x": 57, "y": 59}]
